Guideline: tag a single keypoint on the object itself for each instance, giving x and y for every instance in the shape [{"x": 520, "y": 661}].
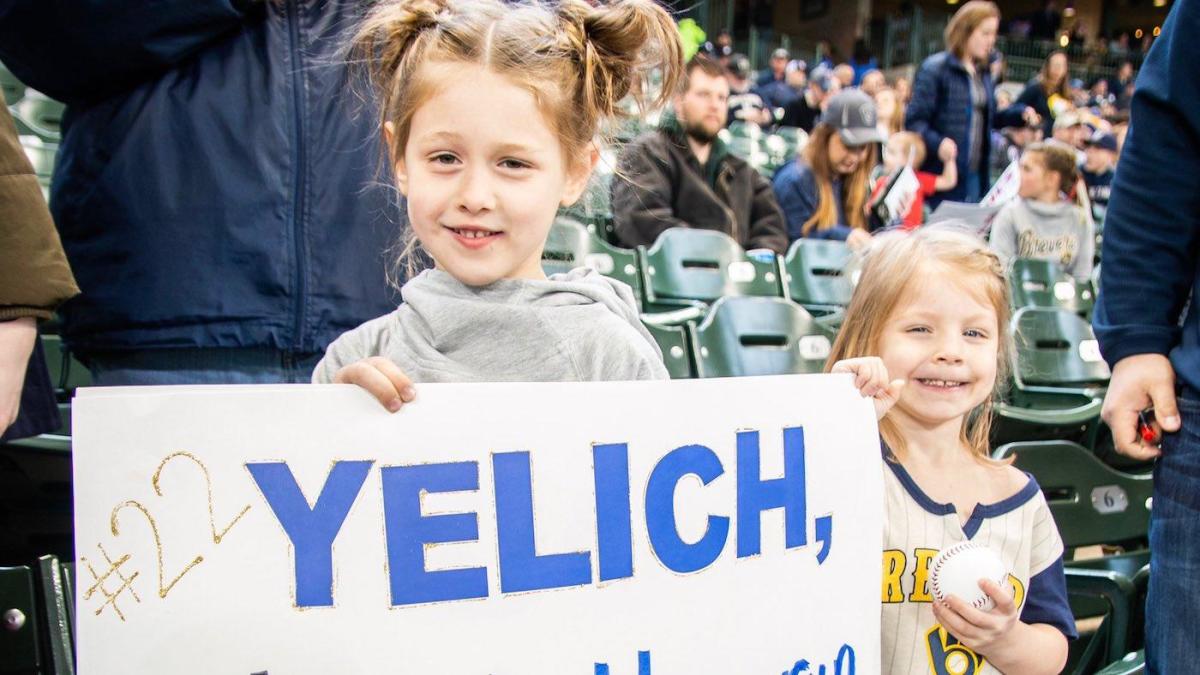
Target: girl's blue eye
[{"x": 973, "y": 333}]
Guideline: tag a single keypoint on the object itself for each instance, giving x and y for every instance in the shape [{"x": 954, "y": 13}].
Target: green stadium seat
[
  {"x": 1133, "y": 663},
  {"x": 20, "y": 647},
  {"x": 14, "y": 89},
  {"x": 1094, "y": 504},
  {"x": 758, "y": 336},
  {"x": 54, "y": 603},
  {"x": 41, "y": 114},
  {"x": 677, "y": 353},
  {"x": 689, "y": 266},
  {"x": 1057, "y": 350},
  {"x": 814, "y": 273},
  {"x": 41, "y": 155},
  {"x": 1041, "y": 283},
  {"x": 1040, "y": 416},
  {"x": 1104, "y": 595},
  {"x": 572, "y": 245}
]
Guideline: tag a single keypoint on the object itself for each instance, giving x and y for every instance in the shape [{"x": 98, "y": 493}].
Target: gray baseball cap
[{"x": 852, "y": 113}]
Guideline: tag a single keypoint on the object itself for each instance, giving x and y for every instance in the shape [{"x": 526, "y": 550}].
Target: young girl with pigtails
[{"x": 490, "y": 111}]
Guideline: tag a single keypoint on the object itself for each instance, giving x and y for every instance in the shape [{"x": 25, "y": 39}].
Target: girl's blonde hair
[
  {"x": 578, "y": 59},
  {"x": 964, "y": 22},
  {"x": 854, "y": 186},
  {"x": 892, "y": 263}
]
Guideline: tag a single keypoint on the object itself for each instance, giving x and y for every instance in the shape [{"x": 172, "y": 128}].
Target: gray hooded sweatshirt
[
  {"x": 1059, "y": 232},
  {"x": 574, "y": 327}
]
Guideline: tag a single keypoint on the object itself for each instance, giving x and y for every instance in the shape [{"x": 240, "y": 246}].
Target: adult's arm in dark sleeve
[
  {"x": 767, "y": 227},
  {"x": 1152, "y": 226},
  {"x": 922, "y": 108},
  {"x": 641, "y": 197},
  {"x": 1012, "y": 116},
  {"x": 83, "y": 50}
]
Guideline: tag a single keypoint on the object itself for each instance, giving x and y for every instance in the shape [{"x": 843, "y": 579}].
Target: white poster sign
[{"x": 702, "y": 526}]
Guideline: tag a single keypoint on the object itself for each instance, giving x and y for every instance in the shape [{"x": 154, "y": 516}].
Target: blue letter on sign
[
  {"x": 755, "y": 495},
  {"x": 521, "y": 568},
  {"x": 673, "y": 551},
  {"x": 408, "y": 531},
  {"x": 613, "y": 520},
  {"x": 312, "y": 531}
]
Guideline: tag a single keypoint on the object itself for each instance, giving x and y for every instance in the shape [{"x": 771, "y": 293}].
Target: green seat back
[
  {"x": 815, "y": 274},
  {"x": 1133, "y": 663},
  {"x": 1038, "y": 416},
  {"x": 572, "y": 245},
  {"x": 677, "y": 354},
  {"x": 19, "y": 642},
  {"x": 1056, "y": 348},
  {"x": 1091, "y": 502},
  {"x": 13, "y": 88},
  {"x": 1042, "y": 283},
  {"x": 41, "y": 154},
  {"x": 758, "y": 336},
  {"x": 58, "y": 624},
  {"x": 687, "y": 265},
  {"x": 41, "y": 114}
]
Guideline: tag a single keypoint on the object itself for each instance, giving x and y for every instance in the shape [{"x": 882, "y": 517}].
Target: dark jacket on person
[
  {"x": 796, "y": 189},
  {"x": 941, "y": 107},
  {"x": 660, "y": 184},
  {"x": 34, "y": 276},
  {"x": 1034, "y": 96},
  {"x": 1151, "y": 247},
  {"x": 214, "y": 186}
]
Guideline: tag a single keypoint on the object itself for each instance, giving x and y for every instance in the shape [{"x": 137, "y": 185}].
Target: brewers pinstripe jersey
[{"x": 1019, "y": 528}]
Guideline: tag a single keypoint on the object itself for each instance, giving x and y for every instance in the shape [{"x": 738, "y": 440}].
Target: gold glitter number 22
[
  {"x": 162, "y": 589},
  {"x": 165, "y": 588},
  {"x": 212, "y": 524}
]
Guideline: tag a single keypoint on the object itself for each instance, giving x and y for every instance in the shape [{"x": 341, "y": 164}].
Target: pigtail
[
  {"x": 617, "y": 45},
  {"x": 389, "y": 43}
]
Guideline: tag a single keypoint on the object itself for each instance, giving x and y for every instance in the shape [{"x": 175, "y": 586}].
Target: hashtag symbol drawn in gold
[{"x": 114, "y": 570}]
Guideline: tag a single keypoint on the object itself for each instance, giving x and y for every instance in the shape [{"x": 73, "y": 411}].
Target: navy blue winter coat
[
  {"x": 941, "y": 107},
  {"x": 216, "y": 182}
]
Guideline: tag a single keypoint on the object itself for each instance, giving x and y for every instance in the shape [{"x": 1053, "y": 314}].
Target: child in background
[
  {"x": 926, "y": 335},
  {"x": 907, "y": 148},
  {"x": 1043, "y": 223},
  {"x": 489, "y": 110},
  {"x": 1099, "y": 167}
]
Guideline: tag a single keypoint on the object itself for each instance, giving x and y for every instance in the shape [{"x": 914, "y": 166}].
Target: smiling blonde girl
[{"x": 926, "y": 335}]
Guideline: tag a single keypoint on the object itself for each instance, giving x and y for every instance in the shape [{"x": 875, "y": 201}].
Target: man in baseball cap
[
  {"x": 773, "y": 83},
  {"x": 1068, "y": 128},
  {"x": 852, "y": 113}
]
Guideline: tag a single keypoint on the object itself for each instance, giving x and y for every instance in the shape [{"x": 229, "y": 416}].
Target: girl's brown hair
[
  {"x": 854, "y": 186},
  {"x": 964, "y": 22},
  {"x": 1043, "y": 76},
  {"x": 579, "y": 59},
  {"x": 1057, "y": 157},
  {"x": 890, "y": 266}
]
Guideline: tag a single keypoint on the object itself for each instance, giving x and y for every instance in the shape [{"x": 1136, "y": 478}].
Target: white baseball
[{"x": 958, "y": 569}]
